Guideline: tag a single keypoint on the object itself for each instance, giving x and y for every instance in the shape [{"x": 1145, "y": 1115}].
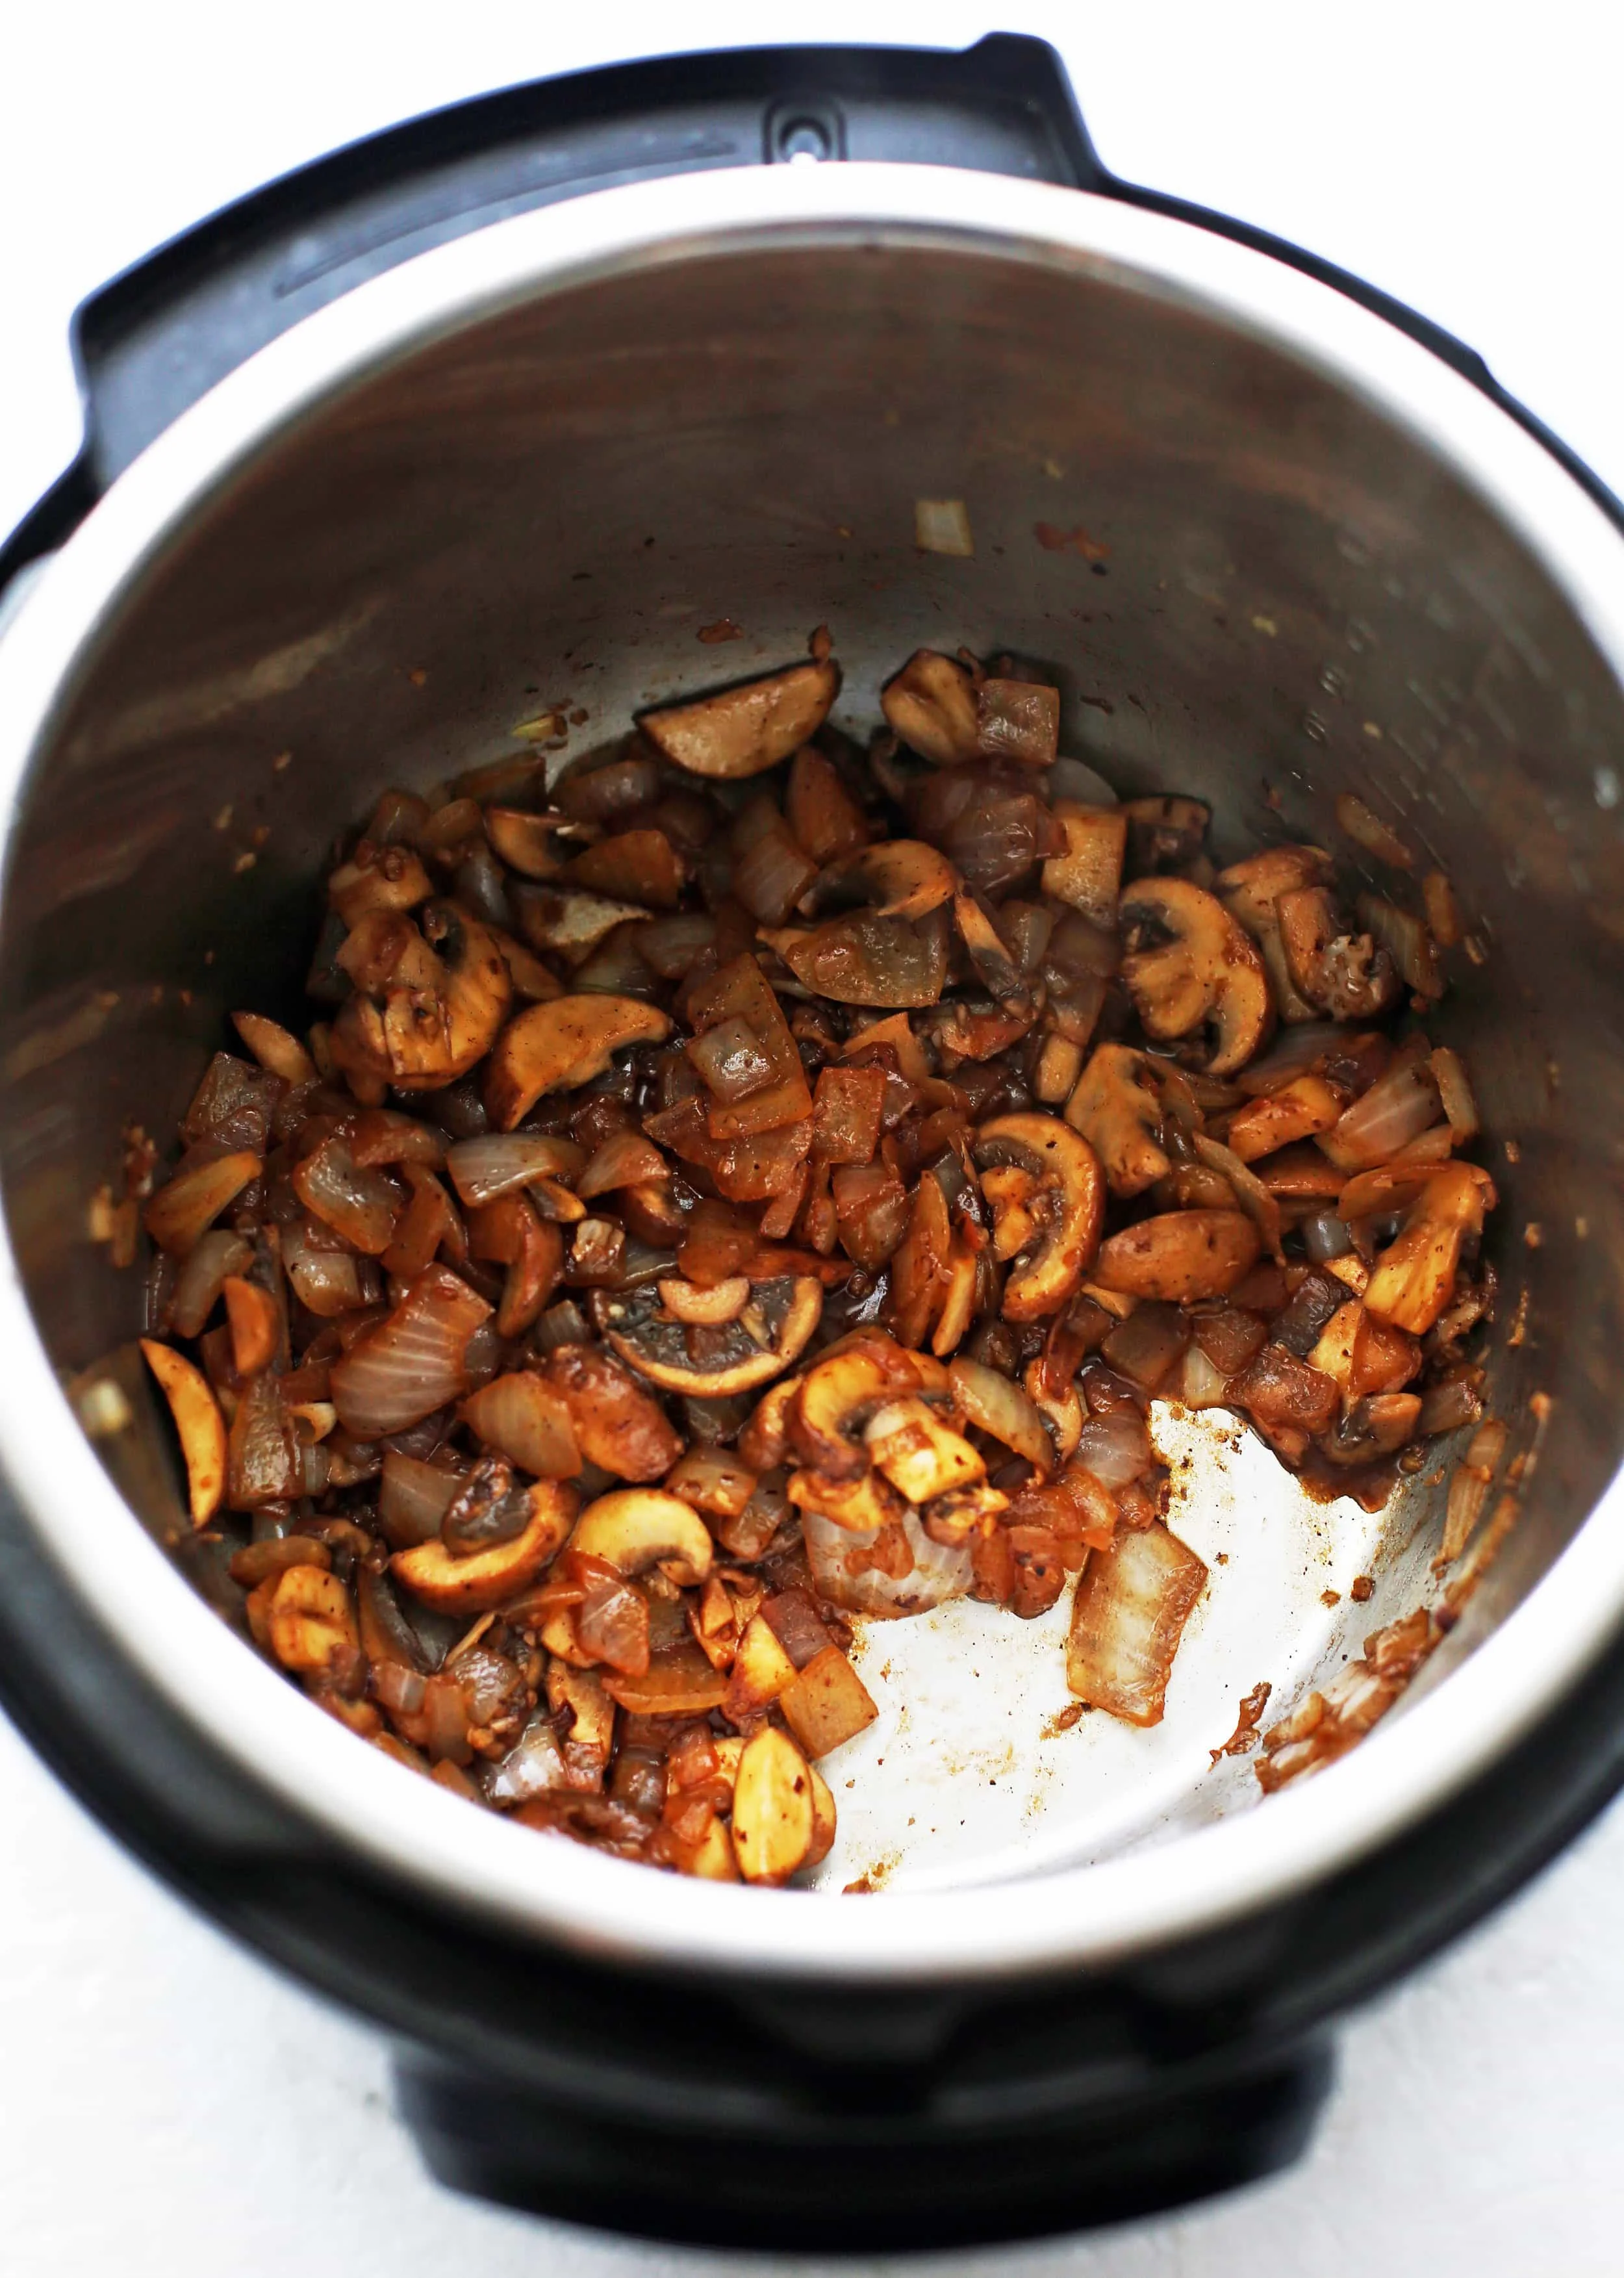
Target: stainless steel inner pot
[{"x": 1273, "y": 550}]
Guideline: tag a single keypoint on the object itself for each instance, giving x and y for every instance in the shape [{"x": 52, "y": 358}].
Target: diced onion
[
  {"x": 202, "y": 1276},
  {"x": 482, "y": 1169},
  {"x": 940, "y": 1572},
  {"x": 993, "y": 1404},
  {"x": 415, "y": 1362},
  {"x": 1398, "y": 1108},
  {"x": 1115, "y": 1449},
  {"x": 413, "y": 1497}
]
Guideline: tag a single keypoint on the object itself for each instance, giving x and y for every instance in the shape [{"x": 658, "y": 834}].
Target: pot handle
[{"x": 152, "y": 341}]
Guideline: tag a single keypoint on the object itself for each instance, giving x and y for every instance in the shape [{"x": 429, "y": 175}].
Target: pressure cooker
[{"x": 503, "y": 400}]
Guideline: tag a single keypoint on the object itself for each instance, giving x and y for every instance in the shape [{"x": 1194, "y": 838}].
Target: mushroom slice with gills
[
  {"x": 556, "y": 1046},
  {"x": 868, "y": 959},
  {"x": 433, "y": 1035},
  {"x": 860, "y": 1506},
  {"x": 743, "y": 730},
  {"x": 1088, "y": 874},
  {"x": 635, "y": 1527},
  {"x": 1251, "y": 891},
  {"x": 931, "y": 706},
  {"x": 199, "y": 1423},
  {"x": 1165, "y": 833},
  {"x": 839, "y": 1394},
  {"x": 1180, "y": 1256},
  {"x": 740, "y": 1354},
  {"x": 1377, "y": 1426},
  {"x": 993, "y": 1404},
  {"x": 1118, "y": 1109},
  {"x": 536, "y": 846},
  {"x": 433, "y": 1573},
  {"x": 1128, "y": 1614},
  {"x": 921, "y": 1457},
  {"x": 900, "y": 878},
  {"x": 568, "y": 921},
  {"x": 1191, "y": 967},
  {"x": 1066, "y": 1207},
  {"x": 1414, "y": 1278},
  {"x": 1347, "y": 974},
  {"x": 984, "y": 945}
]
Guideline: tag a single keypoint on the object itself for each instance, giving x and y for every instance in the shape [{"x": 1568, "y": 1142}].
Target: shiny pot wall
[{"x": 1301, "y": 556}]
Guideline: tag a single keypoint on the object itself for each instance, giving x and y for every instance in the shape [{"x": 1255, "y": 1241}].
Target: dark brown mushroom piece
[
  {"x": 1345, "y": 974},
  {"x": 743, "y": 730},
  {"x": 1194, "y": 975}
]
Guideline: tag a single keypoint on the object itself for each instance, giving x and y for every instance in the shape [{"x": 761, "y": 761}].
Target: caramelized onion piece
[
  {"x": 413, "y": 1363},
  {"x": 1128, "y": 1615}
]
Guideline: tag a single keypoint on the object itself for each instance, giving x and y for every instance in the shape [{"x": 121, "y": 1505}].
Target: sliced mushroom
[
  {"x": 309, "y": 1618},
  {"x": 709, "y": 1309},
  {"x": 742, "y": 730},
  {"x": 860, "y": 1505},
  {"x": 1415, "y": 1279},
  {"x": 1191, "y": 967},
  {"x": 1118, "y": 1110},
  {"x": 839, "y": 1394},
  {"x": 1089, "y": 874},
  {"x": 920, "y": 1456},
  {"x": 635, "y": 1527},
  {"x": 1299, "y": 1110},
  {"x": 1251, "y": 891},
  {"x": 535, "y": 845},
  {"x": 617, "y": 1425},
  {"x": 641, "y": 866},
  {"x": 198, "y": 1421},
  {"x": 1066, "y": 1207},
  {"x": 901, "y": 878},
  {"x": 555, "y": 1046},
  {"x": 1335, "y": 970},
  {"x": 568, "y": 920},
  {"x": 432, "y": 1016},
  {"x": 1179, "y": 1257},
  {"x": 931, "y": 706},
  {"x": 774, "y": 1814},
  {"x": 274, "y": 1049},
  {"x": 433, "y": 1573},
  {"x": 744, "y": 1351}
]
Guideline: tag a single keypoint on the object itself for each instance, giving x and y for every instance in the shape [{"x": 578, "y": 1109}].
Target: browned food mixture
[{"x": 756, "y": 1184}]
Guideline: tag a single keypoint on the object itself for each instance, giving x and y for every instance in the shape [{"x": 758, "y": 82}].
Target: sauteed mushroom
[{"x": 705, "y": 1218}]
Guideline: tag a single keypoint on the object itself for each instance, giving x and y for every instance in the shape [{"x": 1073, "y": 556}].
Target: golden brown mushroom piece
[
  {"x": 1337, "y": 971},
  {"x": 1190, "y": 968},
  {"x": 1180, "y": 1256},
  {"x": 931, "y": 705},
  {"x": 428, "y": 1003},
  {"x": 837, "y": 1397},
  {"x": 635, "y": 1527},
  {"x": 1089, "y": 873},
  {"x": 432, "y": 1572},
  {"x": 554, "y": 1046},
  {"x": 739, "y": 1353},
  {"x": 743, "y": 730},
  {"x": 1165, "y": 833},
  {"x": 1251, "y": 892},
  {"x": 1065, "y": 1205},
  {"x": 1118, "y": 1110}
]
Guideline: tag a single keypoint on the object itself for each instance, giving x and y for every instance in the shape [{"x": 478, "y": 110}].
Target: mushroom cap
[
  {"x": 472, "y": 1585},
  {"x": 1179, "y": 1255},
  {"x": 635, "y": 1527},
  {"x": 1117, "y": 1108},
  {"x": 900, "y": 878},
  {"x": 931, "y": 706},
  {"x": 786, "y": 1309},
  {"x": 1068, "y": 1207},
  {"x": 742, "y": 730},
  {"x": 556, "y": 1045},
  {"x": 1203, "y": 969}
]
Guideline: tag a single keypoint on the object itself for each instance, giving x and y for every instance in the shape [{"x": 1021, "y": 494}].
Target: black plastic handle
[{"x": 150, "y": 343}]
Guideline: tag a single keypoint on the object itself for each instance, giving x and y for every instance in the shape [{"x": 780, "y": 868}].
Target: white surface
[{"x": 171, "y": 2106}]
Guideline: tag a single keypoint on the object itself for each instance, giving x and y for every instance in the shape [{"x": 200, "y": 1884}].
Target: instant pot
[{"x": 493, "y": 409}]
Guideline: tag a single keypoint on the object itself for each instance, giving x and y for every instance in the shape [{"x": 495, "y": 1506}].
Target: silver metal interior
[{"x": 544, "y": 499}]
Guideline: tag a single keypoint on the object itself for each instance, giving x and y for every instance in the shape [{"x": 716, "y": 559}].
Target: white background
[{"x": 168, "y": 2108}]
